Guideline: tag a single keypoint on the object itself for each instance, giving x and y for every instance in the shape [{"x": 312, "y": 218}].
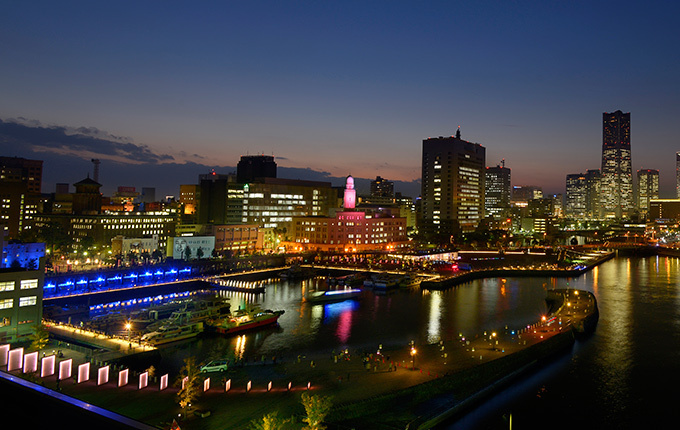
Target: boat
[
  {"x": 172, "y": 333},
  {"x": 195, "y": 311},
  {"x": 243, "y": 320},
  {"x": 347, "y": 280},
  {"x": 333, "y": 295},
  {"x": 296, "y": 272},
  {"x": 409, "y": 280},
  {"x": 385, "y": 282}
]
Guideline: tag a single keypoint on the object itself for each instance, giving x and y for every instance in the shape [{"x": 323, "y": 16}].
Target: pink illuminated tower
[{"x": 350, "y": 194}]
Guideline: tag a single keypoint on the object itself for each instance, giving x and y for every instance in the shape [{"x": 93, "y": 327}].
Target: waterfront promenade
[
  {"x": 428, "y": 383},
  {"x": 435, "y": 382}
]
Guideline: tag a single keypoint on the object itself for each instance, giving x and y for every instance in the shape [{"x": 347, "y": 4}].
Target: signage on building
[{"x": 198, "y": 247}]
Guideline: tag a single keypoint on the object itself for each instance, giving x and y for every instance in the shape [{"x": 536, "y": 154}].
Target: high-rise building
[
  {"x": 648, "y": 188},
  {"x": 20, "y": 194},
  {"x": 593, "y": 182},
  {"x": 382, "y": 188},
  {"x": 677, "y": 174},
  {"x": 252, "y": 167},
  {"x": 577, "y": 191},
  {"x": 213, "y": 191},
  {"x": 617, "y": 173},
  {"x": 497, "y": 191},
  {"x": 453, "y": 175}
]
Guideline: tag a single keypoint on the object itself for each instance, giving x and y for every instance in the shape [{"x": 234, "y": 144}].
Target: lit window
[
  {"x": 27, "y": 284},
  {"x": 28, "y": 301}
]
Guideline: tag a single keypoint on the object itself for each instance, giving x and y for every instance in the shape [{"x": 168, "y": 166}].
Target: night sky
[{"x": 162, "y": 91}]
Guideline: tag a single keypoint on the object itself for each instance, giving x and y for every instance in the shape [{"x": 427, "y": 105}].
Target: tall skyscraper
[
  {"x": 497, "y": 191},
  {"x": 648, "y": 188},
  {"x": 593, "y": 182},
  {"x": 577, "y": 190},
  {"x": 453, "y": 175},
  {"x": 677, "y": 174},
  {"x": 617, "y": 172}
]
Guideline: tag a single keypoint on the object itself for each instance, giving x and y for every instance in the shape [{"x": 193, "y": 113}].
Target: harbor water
[{"x": 623, "y": 375}]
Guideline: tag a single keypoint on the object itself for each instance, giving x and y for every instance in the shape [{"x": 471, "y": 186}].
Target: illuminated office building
[
  {"x": 616, "y": 188},
  {"x": 648, "y": 189},
  {"x": 453, "y": 176},
  {"x": 677, "y": 174},
  {"x": 497, "y": 191},
  {"x": 577, "y": 191},
  {"x": 20, "y": 194},
  {"x": 21, "y": 293}
]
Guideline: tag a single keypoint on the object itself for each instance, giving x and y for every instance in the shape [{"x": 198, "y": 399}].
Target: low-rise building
[{"x": 20, "y": 302}]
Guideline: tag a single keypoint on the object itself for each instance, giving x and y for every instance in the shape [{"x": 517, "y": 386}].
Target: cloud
[
  {"x": 67, "y": 152},
  {"x": 82, "y": 142}
]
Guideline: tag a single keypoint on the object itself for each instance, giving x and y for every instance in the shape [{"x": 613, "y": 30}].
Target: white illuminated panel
[
  {"x": 16, "y": 359},
  {"x": 48, "y": 366},
  {"x": 83, "y": 372},
  {"x": 4, "y": 353},
  {"x": 269, "y": 387},
  {"x": 65, "y": 369},
  {"x": 227, "y": 386},
  {"x": 103, "y": 375},
  {"x": 164, "y": 382},
  {"x": 206, "y": 384},
  {"x": 249, "y": 386},
  {"x": 143, "y": 380},
  {"x": 123, "y": 377},
  {"x": 184, "y": 381},
  {"x": 31, "y": 362}
]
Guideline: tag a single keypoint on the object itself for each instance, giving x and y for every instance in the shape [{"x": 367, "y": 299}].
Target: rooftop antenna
[
  {"x": 503, "y": 162},
  {"x": 458, "y": 133},
  {"x": 96, "y": 163}
]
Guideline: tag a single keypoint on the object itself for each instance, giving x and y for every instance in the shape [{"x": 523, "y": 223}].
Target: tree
[
  {"x": 316, "y": 408},
  {"x": 55, "y": 236},
  {"x": 39, "y": 337},
  {"x": 188, "y": 381},
  {"x": 187, "y": 253},
  {"x": 199, "y": 253},
  {"x": 271, "y": 421}
]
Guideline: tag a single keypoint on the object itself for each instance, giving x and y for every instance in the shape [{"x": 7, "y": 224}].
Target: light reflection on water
[
  {"x": 392, "y": 319},
  {"x": 624, "y": 375}
]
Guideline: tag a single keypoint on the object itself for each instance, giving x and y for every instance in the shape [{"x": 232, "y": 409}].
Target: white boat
[
  {"x": 333, "y": 295},
  {"x": 199, "y": 311},
  {"x": 172, "y": 333},
  {"x": 385, "y": 282}
]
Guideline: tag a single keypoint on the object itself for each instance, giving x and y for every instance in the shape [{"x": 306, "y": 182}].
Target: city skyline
[{"x": 335, "y": 89}]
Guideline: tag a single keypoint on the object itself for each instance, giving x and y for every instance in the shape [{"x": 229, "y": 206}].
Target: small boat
[
  {"x": 193, "y": 312},
  {"x": 243, "y": 320},
  {"x": 385, "y": 283},
  {"x": 172, "y": 333},
  {"x": 333, "y": 295},
  {"x": 296, "y": 272}
]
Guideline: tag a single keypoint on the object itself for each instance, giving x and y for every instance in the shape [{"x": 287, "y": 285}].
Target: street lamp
[
  {"x": 128, "y": 327},
  {"x": 413, "y": 356}
]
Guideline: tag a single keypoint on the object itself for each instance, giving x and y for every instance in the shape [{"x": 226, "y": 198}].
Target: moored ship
[
  {"x": 243, "y": 320},
  {"x": 333, "y": 295},
  {"x": 172, "y": 333}
]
